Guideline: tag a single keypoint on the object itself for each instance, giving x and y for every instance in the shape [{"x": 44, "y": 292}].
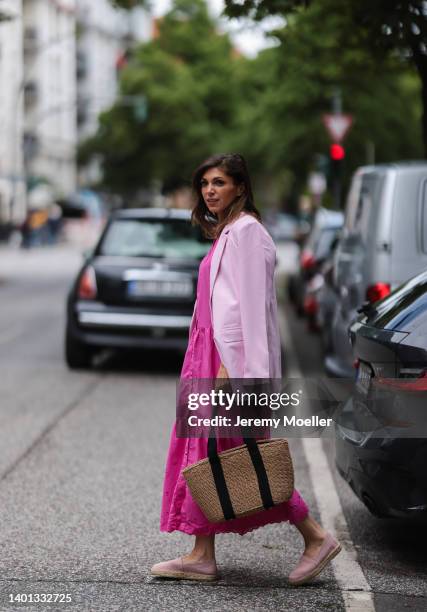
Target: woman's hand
[
  {"x": 222, "y": 372},
  {"x": 221, "y": 375}
]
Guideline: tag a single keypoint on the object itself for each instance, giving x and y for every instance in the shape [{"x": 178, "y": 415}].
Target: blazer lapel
[
  {"x": 215, "y": 262},
  {"x": 216, "y": 257}
]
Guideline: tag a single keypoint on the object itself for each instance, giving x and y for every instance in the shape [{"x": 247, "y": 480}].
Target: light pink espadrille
[
  {"x": 309, "y": 567},
  {"x": 184, "y": 570}
]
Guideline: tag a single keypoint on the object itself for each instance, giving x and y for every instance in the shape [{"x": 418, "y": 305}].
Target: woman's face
[{"x": 219, "y": 191}]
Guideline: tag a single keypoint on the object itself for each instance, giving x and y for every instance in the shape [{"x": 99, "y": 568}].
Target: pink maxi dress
[{"x": 179, "y": 511}]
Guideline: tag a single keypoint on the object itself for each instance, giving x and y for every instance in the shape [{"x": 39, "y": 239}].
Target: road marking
[{"x": 348, "y": 573}]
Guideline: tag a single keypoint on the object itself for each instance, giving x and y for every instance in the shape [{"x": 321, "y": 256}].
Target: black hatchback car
[
  {"x": 137, "y": 289},
  {"x": 385, "y": 459}
]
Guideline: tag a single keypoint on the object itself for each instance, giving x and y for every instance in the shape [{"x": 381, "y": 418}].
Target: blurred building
[
  {"x": 105, "y": 37},
  {"x": 60, "y": 62},
  {"x": 12, "y": 191},
  {"x": 50, "y": 93}
]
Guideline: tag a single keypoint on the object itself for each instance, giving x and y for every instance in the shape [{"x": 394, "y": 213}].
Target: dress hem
[{"x": 190, "y": 530}]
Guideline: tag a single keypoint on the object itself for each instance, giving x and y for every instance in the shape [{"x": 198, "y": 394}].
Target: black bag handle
[{"x": 219, "y": 478}]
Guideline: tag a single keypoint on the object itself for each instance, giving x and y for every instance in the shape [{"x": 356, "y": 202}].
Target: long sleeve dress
[{"x": 179, "y": 511}]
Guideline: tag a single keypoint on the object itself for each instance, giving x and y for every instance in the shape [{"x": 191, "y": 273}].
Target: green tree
[
  {"x": 203, "y": 98},
  {"x": 385, "y": 27},
  {"x": 186, "y": 76},
  {"x": 286, "y": 89}
]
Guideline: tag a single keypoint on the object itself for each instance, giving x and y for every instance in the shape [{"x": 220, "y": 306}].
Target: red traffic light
[{"x": 336, "y": 151}]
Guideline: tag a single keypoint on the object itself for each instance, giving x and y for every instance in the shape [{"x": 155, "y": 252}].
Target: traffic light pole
[
  {"x": 337, "y": 187},
  {"x": 337, "y": 124}
]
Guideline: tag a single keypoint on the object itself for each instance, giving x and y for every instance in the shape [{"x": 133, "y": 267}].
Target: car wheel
[
  {"x": 77, "y": 354},
  {"x": 375, "y": 509},
  {"x": 291, "y": 290},
  {"x": 299, "y": 309},
  {"x": 312, "y": 325}
]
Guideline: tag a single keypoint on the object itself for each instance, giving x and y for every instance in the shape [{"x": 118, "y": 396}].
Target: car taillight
[
  {"x": 404, "y": 384},
  {"x": 87, "y": 289},
  {"x": 377, "y": 292},
  {"x": 310, "y": 305},
  {"x": 307, "y": 260}
]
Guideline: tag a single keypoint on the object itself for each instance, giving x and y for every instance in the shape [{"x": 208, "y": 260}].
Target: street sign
[{"x": 337, "y": 126}]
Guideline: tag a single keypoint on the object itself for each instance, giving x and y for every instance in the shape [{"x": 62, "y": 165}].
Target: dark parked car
[
  {"x": 320, "y": 297},
  {"x": 284, "y": 227},
  {"x": 384, "y": 459},
  {"x": 316, "y": 248},
  {"x": 137, "y": 289}
]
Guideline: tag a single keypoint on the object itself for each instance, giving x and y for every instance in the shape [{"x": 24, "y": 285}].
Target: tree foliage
[
  {"x": 203, "y": 98},
  {"x": 384, "y": 27},
  {"x": 302, "y": 75},
  {"x": 186, "y": 75}
]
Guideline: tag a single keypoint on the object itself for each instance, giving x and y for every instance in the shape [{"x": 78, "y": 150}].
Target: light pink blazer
[{"x": 243, "y": 300}]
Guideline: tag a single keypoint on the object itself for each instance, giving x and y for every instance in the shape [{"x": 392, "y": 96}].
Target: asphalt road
[{"x": 81, "y": 466}]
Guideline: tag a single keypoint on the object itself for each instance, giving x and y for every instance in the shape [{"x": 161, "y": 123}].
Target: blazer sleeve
[{"x": 251, "y": 271}]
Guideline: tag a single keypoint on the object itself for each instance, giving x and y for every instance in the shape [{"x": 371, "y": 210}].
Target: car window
[
  {"x": 173, "y": 238},
  {"x": 324, "y": 243},
  {"x": 362, "y": 209},
  {"x": 313, "y": 237},
  {"x": 401, "y": 308},
  {"x": 286, "y": 223},
  {"x": 352, "y": 202}
]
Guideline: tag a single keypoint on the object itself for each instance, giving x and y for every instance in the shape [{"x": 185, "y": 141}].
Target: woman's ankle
[
  {"x": 204, "y": 549},
  {"x": 311, "y": 531},
  {"x": 196, "y": 556}
]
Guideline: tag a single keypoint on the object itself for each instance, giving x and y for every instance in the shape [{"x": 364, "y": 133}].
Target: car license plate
[
  {"x": 158, "y": 288},
  {"x": 363, "y": 380}
]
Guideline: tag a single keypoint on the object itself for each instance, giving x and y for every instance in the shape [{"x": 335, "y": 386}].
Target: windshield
[
  {"x": 172, "y": 238},
  {"x": 401, "y": 308},
  {"x": 320, "y": 241},
  {"x": 324, "y": 244}
]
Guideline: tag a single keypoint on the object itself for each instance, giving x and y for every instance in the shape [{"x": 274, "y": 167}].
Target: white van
[{"x": 384, "y": 242}]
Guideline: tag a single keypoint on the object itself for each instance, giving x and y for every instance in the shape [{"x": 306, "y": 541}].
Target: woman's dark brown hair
[{"x": 234, "y": 166}]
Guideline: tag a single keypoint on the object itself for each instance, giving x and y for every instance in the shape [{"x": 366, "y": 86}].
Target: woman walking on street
[{"x": 234, "y": 333}]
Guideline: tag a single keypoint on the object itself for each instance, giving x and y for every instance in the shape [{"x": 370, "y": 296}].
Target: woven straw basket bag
[{"x": 243, "y": 480}]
